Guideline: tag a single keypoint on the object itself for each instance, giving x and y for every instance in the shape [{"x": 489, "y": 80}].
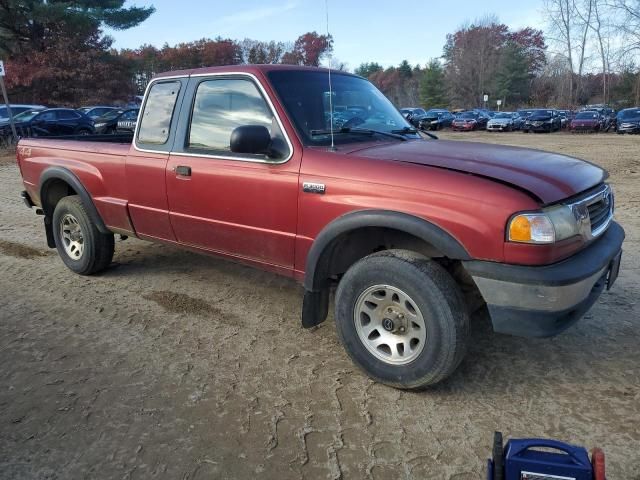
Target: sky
[{"x": 363, "y": 31}]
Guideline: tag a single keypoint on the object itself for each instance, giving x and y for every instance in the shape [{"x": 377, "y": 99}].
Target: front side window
[
  {"x": 158, "y": 112},
  {"x": 222, "y": 105}
]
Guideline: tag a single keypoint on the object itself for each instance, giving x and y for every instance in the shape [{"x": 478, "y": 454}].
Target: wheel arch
[
  {"x": 58, "y": 182},
  {"x": 355, "y": 235}
]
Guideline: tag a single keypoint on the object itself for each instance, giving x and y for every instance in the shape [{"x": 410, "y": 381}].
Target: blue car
[{"x": 628, "y": 120}]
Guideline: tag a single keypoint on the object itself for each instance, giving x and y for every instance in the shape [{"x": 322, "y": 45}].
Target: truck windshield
[{"x": 357, "y": 105}]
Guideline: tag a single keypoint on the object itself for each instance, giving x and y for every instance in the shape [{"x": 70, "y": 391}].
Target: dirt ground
[{"x": 174, "y": 365}]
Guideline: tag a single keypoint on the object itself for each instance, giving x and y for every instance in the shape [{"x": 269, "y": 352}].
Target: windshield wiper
[
  {"x": 404, "y": 130},
  {"x": 358, "y": 131}
]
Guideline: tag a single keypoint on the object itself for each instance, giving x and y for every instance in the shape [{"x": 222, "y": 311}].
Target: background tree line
[{"x": 57, "y": 53}]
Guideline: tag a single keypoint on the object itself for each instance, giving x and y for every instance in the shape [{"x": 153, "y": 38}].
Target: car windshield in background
[
  {"x": 435, "y": 112},
  {"x": 629, "y": 114},
  {"x": 548, "y": 113},
  {"x": 26, "y": 116},
  {"x": 587, "y": 115},
  {"x": 109, "y": 115},
  {"x": 358, "y": 106},
  {"x": 468, "y": 115},
  {"x": 503, "y": 115}
]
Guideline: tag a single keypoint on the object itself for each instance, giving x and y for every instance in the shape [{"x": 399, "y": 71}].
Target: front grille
[
  {"x": 593, "y": 211},
  {"x": 600, "y": 211}
]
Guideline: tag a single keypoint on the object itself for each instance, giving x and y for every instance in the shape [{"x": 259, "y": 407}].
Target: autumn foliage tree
[
  {"x": 57, "y": 53},
  {"x": 474, "y": 56},
  {"x": 309, "y": 49}
]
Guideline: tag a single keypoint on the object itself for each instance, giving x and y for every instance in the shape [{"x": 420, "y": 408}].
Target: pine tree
[
  {"x": 512, "y": 78},
  {"x": 433, "y": 93},
  {"x": 28, "y": 26}
]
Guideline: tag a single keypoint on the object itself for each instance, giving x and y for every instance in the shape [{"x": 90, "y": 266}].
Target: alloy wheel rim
[
  {"x": 72, "y": 236},
  {"x": 390, "y": 325}
]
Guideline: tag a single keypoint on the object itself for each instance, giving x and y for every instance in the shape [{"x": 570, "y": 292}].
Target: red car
[
  {"x": 467, "y": 121},
  {"x": 414, "y": 233},
  {"x": 586, "y": 122}
]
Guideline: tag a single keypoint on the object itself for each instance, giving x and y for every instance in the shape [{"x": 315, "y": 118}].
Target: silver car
[{"x": 504, "y": 122}]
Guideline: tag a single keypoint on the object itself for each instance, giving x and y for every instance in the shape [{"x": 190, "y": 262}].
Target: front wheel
[
  {"x": 402, "y": 319},
  {"x": 81, "y": 246}
]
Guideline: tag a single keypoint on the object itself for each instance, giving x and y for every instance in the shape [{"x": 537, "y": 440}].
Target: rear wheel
[
  {"x": 81, "y": 246},
  {"x": 401, "y": 318}
]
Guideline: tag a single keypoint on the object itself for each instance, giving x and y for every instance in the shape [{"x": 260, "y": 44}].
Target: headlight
[
  {"x": 531, "y": 228},
  {"x": 549, "y": 226},
  {"x": 433, "y": 122},
  {"x": 99, "y": 125}
]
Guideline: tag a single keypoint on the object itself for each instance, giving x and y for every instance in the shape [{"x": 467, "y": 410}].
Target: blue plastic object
[{"x": 523, "y": 461}]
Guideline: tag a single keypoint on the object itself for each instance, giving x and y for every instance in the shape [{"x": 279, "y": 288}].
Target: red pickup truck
[{"x": 271, "y": 166}]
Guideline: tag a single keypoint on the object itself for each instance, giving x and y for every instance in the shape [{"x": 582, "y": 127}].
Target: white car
[{"x": 16, "y": 109}]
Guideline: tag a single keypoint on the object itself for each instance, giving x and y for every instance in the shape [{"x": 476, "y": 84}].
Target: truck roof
[{"x": 253, "y": 68}]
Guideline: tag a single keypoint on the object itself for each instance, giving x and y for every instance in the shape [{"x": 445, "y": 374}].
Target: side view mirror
[{"x": 252, "y": 139}]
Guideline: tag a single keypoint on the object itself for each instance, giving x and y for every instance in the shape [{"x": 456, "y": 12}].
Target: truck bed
[{"x": 101, "y": 144}]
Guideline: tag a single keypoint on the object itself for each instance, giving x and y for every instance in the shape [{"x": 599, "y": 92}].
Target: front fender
[{"x": 317, "y": 258}]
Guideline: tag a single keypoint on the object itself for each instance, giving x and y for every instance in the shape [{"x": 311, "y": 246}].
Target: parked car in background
[
  {"x": 406, "y": 111},
  {"x": 608, "y": 115},
  {"x": 565, "y": 118},
  {"x": 127, "y": 121},
  {"x": 470, "y": 120},
  {"x": 587, "y": 121},
  {"x": 542, "y": 120},
  {"x": 108, "y": 123},
  {"x": 17, "y": 109},
  {"x": 413, "y": 114},
  {"x": 524, "y": 113},
  {"x": 436, "y": 119},
  {"x": 96, "y": 111},
  {"x": 628, "y": 120},
  {"x": 50, "y": 122},
  {"x": 504, "y": 122},
  {"x": 487, "y": 113}
]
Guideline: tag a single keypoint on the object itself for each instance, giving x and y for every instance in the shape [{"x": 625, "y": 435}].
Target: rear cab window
[{"x": 157, "y": 115}]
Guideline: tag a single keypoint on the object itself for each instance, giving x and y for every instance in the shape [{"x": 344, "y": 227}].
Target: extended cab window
[
  {"x": 158, "y": 111},
  {"x": 222, "y": 105}
]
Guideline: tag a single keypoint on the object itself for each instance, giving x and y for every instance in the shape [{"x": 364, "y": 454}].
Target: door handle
[{"x": 183, "y": 171}]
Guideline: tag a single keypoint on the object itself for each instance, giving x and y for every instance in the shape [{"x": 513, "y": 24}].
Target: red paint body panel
[
  {"x": 146, "y": 184},
  {"x": 242, "y": 208},
  {"x": 257, "y": 212}
]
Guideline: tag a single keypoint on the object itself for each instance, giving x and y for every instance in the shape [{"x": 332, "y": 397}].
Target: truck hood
[{"x": 549, "y": 177}]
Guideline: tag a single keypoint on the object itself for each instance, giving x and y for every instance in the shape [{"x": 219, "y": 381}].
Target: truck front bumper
[{"x": 541, "y": 301}]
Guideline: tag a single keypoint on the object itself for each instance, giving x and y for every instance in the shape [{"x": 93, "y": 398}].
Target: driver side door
[{"x": 240, "y": 205}]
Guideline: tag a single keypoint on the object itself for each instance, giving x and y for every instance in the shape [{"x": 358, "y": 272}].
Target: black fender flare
[
  {"x": 60, "y": 173},
  {"x": 416, "y": 226}
]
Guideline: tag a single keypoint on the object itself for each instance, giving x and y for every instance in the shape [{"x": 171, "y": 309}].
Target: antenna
[{"x": 333, "y": 147}]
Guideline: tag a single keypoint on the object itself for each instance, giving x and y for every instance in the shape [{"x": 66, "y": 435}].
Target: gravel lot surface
[{"x": 179, "y": 366}]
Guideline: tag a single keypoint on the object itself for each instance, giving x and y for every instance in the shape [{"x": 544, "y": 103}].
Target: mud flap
[{"x": 315, "y": 307}]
